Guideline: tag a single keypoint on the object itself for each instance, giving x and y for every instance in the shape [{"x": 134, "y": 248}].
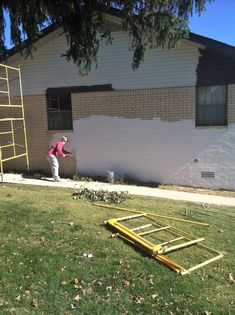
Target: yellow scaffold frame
[
  {"x": 11, "y": 120},
  {"x": 159, "y": 251},
  {"x": 136, "y": 235}
]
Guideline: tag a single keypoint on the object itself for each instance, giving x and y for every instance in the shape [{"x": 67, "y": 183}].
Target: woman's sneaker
[{"x": 57, "y": 179}]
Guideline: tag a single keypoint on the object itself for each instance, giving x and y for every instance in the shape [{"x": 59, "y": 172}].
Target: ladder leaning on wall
[{"x": 11, "y": 113}]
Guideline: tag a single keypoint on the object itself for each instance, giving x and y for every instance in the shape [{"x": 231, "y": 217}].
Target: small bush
[
  {"x": 128, "y": 179},
  {"x": 100, "y": 195},
  {"x": 82, "y": 177},
  {"x": 89, "y": 178}
]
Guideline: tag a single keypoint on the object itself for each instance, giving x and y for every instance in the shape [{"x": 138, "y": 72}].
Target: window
[
  {"x": 59, "y": 112},
  {"x": 211, "y": 106}
]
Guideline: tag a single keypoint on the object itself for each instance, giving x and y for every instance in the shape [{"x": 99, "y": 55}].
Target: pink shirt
[{"x": 57, "y": 149}]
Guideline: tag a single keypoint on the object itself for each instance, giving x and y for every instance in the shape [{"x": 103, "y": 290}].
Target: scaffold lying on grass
[{"x": 157, "y": 239}]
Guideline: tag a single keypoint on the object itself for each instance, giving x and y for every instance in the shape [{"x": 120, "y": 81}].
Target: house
[{"x": 170, "y": 121}]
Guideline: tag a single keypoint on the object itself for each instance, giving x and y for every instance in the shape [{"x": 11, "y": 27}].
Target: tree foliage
[{"x": 150, "y": 24}]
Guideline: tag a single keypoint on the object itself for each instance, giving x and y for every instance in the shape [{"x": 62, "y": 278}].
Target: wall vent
[{"x": 207, "y": 174}]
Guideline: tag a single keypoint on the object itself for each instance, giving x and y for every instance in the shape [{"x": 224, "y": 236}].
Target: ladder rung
[
  {"x": 4, "y": 92},
  {"x": 170, "y": 249},
  {"x": 201, "y": 264},
  {"x": 131, "y": 217},
  {"x": 9, "y": 67},
  {"x": 155, "y": 230},
  {"x": 11, "y": 119},
  {"x": 2, "y": 78},
  {"x": 6, "y": 146},
  {"x": 5, "y": 132},
  {"x": 141, "y": 227},
  {"x": 14, "y": 157},
  {"x": 10, "y": 105},
  {"x": 172, "y": 241}
]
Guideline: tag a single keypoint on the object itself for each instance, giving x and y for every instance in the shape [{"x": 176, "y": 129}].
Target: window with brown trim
[
  {"x": 211, "y": 105},
  {"x": 59, "y": 112}
]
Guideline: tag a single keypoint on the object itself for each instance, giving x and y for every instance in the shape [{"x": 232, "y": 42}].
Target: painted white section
[
  {"x": 169, "y": 68},
  {"x": 154, "y": 150}
]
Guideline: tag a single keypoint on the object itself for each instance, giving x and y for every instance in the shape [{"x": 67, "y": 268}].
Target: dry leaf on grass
[
  {"x": 62, "y": 283},
  {"x": 150, "y": 279},
  {"x": 87, "y": 291},
  {"x": 34, "y": 303},
  {"x": 137, "y": 299},
  {"x": 231, "y": 279},
  {"x": 87, "y": 255},
  {"x": 77, "y": 297},
  {"x": 18, "y": 298},
  {"x": 77, "y": 281},
  {"x": 126, "y": 282},
  {"x": 72, "y": 306}
]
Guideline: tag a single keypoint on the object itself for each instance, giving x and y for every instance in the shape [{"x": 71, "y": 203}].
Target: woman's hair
[{"x": 64, "y": 139}]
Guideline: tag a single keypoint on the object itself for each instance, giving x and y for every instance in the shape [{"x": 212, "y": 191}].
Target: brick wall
[{"x": 169, "y": 104}]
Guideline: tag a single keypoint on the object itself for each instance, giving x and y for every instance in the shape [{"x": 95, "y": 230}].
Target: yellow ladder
[{"x": 6, "y": 104}]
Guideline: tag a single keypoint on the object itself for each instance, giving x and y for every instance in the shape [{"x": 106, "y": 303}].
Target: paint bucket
[{"x": 110, "y": 177}]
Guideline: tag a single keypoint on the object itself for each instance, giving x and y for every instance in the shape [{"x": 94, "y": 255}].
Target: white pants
[{"x": 54, "y": 164}]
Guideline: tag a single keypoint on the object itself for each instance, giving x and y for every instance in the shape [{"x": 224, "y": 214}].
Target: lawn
[{"x": 57, "y": 257}]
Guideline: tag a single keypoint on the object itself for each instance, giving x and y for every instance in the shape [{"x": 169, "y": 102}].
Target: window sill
[
  {"x": 212, "y": 127},
  {"x": 60, "y": 130}
]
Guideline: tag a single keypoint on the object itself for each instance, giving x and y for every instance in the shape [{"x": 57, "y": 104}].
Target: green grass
[{"x": 46, "y": 237}]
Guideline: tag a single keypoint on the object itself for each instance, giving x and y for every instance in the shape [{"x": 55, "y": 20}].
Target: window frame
[
  {"x": 59, "y": 111},
  {"x": 225, "y": 124}
]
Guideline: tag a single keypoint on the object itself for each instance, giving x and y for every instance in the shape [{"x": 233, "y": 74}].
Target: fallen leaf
[
  {"x": 124, "y": 263},
  {"x": 87, "y": 291},
  {"x": 231, "y": 279},
  {"x": 77, "y": 297},
  {"x": 34, "y": 303},
  {"x": 150, "y": 279},
  {"x": 76, "y": 281},
  {"x": 63, "y": 283},
  {"x": 137, "y": 299},
  {"x": 17, "y": 298},
  {"x": 109, "y": 288},
  {"x": 73, "y": 306},
  {"x": 154, "y": 296},
  {"x": 126, "y": 282}
]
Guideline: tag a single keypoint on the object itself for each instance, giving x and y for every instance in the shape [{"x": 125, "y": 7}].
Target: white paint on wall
[
  {"x": 169, "y": 68},
  {"x": 154, "y": 150}
]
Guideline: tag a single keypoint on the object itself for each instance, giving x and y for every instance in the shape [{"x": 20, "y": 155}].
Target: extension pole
[{"x": 151, "y": 214}]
